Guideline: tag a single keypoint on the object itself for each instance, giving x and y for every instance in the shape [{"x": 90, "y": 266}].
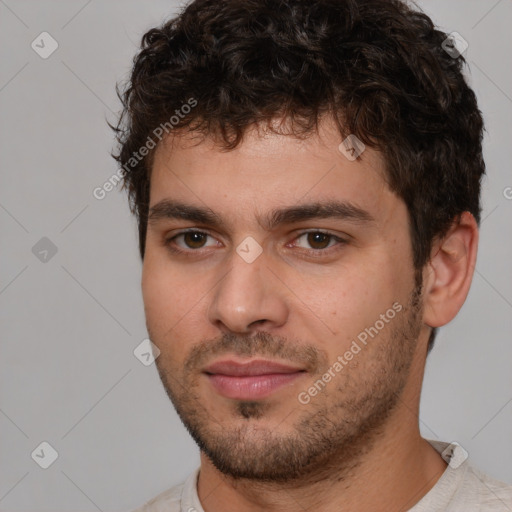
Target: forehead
[{"x": 268, "y": 169}]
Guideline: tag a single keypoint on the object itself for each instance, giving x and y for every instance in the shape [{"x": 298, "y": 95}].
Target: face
[{"x": 278, "y": 285}]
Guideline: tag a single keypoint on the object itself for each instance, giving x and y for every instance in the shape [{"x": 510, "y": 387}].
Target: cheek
[
  {"x": 163, "y": 292},
  {"x": 356, "y": 298},
  {"x": 167, "y": 309},
  {"x": 175, "y": 301}
]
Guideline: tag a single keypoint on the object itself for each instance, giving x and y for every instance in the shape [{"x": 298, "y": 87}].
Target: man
[{"x": 306, "y": 178}]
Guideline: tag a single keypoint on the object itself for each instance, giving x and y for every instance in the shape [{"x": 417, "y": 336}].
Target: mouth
[{"x": 251, "y": 380}]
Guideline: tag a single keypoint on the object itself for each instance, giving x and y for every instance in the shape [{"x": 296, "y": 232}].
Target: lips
[
  {"x": 251, "y": 368},
  {"x": 250, "y": 380}
]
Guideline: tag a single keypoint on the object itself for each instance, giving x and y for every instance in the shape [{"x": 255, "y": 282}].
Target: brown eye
[
  {"x": 318, "y": 240},
  {"x": 194, "y": 239},
  {"x": 189, "y": 242}
]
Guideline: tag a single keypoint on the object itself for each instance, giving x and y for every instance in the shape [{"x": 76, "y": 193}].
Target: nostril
[{"x": 257, "y": 322}]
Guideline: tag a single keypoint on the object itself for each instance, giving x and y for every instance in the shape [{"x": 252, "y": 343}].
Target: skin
[{"x": 303, "y": 301}]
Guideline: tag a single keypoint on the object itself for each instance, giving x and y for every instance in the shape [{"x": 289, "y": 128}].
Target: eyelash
[{"x": 316, "y": 252}]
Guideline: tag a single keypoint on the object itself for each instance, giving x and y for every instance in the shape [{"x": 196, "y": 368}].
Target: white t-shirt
[{"x": 461, "y": 488}]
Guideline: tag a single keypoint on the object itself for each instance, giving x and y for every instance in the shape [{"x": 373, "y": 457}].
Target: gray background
[{"x": 70, "y": 324}]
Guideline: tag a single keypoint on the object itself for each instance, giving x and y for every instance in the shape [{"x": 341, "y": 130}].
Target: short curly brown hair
[{"x": 378, "y": 67}]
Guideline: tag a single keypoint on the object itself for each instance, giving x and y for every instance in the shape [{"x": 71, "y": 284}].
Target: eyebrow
[{"x": 343, "y": 210}]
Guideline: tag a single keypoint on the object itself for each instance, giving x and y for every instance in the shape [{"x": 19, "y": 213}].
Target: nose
[{"x": 248, "y": 297}]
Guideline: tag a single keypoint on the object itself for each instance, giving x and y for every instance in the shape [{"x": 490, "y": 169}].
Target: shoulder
[
  {"x": 485, "y": 492},
  {"x": 463, "y": 487},
  {"x": 169, "y": 500},
  {"x": 173, "y": 499}
]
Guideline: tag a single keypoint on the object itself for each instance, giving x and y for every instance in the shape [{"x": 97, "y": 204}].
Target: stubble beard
[{"x": 332, "y": 432}]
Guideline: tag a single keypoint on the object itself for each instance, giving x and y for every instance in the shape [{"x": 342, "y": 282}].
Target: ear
[{"x": 447, "y": 276}]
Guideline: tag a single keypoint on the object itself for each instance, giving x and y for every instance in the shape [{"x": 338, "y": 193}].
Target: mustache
[{"x": 261, "y": 344}]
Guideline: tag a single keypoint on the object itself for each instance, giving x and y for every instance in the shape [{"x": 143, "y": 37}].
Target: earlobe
[{"x": 448, "y": 275}]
